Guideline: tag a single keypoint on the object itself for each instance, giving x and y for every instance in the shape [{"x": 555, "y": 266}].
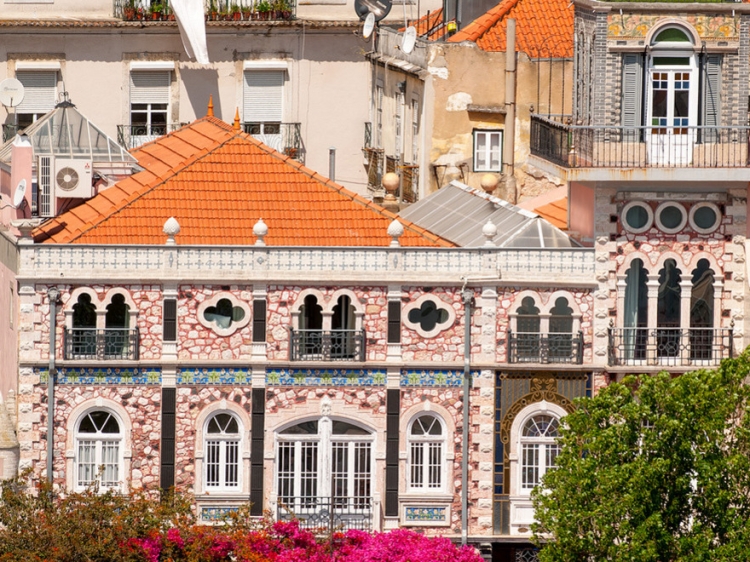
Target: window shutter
[
  {"x": 40, "y": 91},
  {"x": 394, "y": 321},
  {"x": 259, "y": 320},
  {"x": 632, "y": 89},
  {"x": 170, "y": 320},
  {"x": 711, "y": 102},
  {"x": 263, "y": 95},
  {"x": 150, "y": 86}
]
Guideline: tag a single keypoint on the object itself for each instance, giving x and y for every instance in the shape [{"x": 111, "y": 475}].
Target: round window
[
  {"x": 637, "y": 216},
  {"x": 671, "y": 217},
  {"x": 705, "y": 217}
]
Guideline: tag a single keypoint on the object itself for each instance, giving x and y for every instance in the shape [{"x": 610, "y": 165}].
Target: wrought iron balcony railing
[
  {"x": 336, "y": 345},
  {"x": 283, "y": 137},
  {"x": 327, "y": 514},
  {"x": 215, "y": 10},
  {"x": 133, "y": 136},
  {"x": 670, "y": 346},
  {"x": 107, "y": 344},
  {"x": 533, "y": 347},
  {"x": 585, "y": 146}
]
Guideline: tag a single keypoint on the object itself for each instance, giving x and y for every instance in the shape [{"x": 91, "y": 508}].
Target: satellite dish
[
  {"x": 369, "y": 25},
  {"x": 20, "y": 194},
  {"x": 11, "y": 92},
  {"x": 409, "y": 39},
  {"x": 378, "y": 8}
]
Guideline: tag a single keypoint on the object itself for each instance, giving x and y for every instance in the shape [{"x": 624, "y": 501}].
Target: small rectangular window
[
  {"x": 394, "y": 322},
  {"x": 149, "y": 105},
  {"x": 488, "y": 151},
  {"x": 170, "y": 320},
  {"x": 40, "y": 95},
  {"x": 259, "y": 320}
]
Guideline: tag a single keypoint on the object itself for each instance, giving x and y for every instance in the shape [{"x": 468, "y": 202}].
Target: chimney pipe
[{"x": 332, "y": 163}]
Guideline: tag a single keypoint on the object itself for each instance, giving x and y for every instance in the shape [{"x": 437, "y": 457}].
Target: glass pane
[
  {"x": 212, "y": 463},
  {"x": 232, "y": 463},
  {"x": 671, "y": 216},
  {"x": 529, "y": 466},
  {"x": 87, "y": 425},
  {"x": 304, "y": 428},
  {"x": 705, "y": 217},
  {"x": 636, "y": 217},
  {"x": 435, "y": 452},
  {"x": 417, "y": 464},
  {"x": 344, "y": 428},
  {"x": 111, "y": 425}
]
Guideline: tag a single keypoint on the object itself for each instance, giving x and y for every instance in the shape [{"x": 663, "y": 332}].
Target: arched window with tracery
[
  {"x": 635, "y": 317},
  {"x": 702, "y": 311},
  {"x": 98, "y": 451},
  {"x": 82, "y": 344},
  {"x": 222, "y": 464},
  {"x": 668, "y": 310},
  {"x": 343, "y": 332},
  {"x": 311, "y": 328},
  {"x": 561, "y": 331},
  {"x": 539, "y": 449},
  {"x": 528, "y": 324},
  {"x": 117, "y": 342},
  {"x": 427, "y": 446}
]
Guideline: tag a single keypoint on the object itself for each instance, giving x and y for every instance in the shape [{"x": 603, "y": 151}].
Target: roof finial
[
  {"x": 236, "y": 125},
  {"x": 210, "y": 106}
]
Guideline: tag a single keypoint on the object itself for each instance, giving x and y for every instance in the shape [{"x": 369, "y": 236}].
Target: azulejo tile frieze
[
  {"x": 441, "y": 377},
  {"x": 212, "y": 375},
  {"x": 216, "y": 513},
  {"x": 325, "y": 377},
  {"x": 103, "y": 375},
  {"x": 414, "y": 514}
]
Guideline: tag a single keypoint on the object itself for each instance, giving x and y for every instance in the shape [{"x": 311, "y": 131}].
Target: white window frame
[
  {"x": 38, "y": 100},
  {"x": 424, "y": 444},
  {"x": 223, "y": 441},
  {"x": 487, "y": 151},
  {"x": 322, "y": 476},
  {"x": 542, "y": 446},
  {"x": 99, "y": 441},
  {"x": 150, "y": 97}
]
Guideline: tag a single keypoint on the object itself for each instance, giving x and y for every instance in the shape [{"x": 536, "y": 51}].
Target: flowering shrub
[{"x": 112, "y": 528}]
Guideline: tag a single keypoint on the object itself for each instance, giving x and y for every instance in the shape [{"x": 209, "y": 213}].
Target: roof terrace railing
[
  {"x": 215, "y": 10},
  {"x": 589, "y": 146},
  {"x": 283, "y": 137}
]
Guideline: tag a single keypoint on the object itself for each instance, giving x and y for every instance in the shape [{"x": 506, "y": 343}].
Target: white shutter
[
  {"x": 150, "y": 86},
  {"x": 40, "y": 88},
  {"x": 263, "y": 95}
]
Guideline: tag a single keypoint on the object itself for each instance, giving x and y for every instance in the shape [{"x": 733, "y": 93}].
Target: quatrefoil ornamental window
[
  {"x": 224, "y": 314},
  {"x": 428, "y": 316}
]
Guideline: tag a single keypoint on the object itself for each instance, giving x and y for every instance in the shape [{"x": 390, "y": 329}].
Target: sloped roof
[
  {"x": 217, "y": 182},
  {"x": 65, "y": 132},
  {"x": 459, "y": 213},
  {"x": 551, "y": 206},
  {"x": 544, "y": 28}
]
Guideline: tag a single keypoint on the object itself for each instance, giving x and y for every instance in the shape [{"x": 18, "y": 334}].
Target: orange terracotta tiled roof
[
  {"x": 555, "y": 213},
  {"x": 217, "y": 182},
  {"x": 544, "y": 28}
]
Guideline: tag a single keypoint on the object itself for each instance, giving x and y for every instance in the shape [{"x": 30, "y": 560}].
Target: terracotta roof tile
[
  {"x": 555, "y": 213},
  {"x": 217, "y": 183},
  {"x": 430, "y": 26},
  {"x": 544, "y": 28}
]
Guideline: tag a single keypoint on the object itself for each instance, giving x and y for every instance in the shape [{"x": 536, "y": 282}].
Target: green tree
[{"x": 656, "y": 468}]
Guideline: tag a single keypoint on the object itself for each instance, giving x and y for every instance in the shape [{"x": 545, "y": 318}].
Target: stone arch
[{"x": 678, "y": 23}]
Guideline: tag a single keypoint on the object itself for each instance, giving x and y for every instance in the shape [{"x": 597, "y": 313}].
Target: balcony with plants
[{"x": 215, "y": 10}]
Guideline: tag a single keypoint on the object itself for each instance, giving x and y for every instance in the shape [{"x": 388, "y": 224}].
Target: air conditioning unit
[{"x": 72, "y": 178}]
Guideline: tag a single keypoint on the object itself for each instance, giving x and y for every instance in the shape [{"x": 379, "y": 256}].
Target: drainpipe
[
  {"x": 332, "y": 163},
  {"x": 467, "y": 296},
  {"x": 509, "y": 145},
  {"x": 52, "y": 295}
]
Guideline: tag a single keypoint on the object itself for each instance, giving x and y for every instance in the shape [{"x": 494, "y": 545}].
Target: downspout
[
  {"x": 52, "y": 295},
  {"x": 467, "y": 296},
  {"x": 509, "y": 145}
]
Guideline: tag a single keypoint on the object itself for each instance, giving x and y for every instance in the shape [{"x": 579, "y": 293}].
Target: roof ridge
[{"x": 490, "y": 18}]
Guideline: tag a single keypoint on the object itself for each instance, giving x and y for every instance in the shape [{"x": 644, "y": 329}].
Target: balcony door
[
  {"x": 263, "y": 106},
  {"x": 672, "y": 99}
]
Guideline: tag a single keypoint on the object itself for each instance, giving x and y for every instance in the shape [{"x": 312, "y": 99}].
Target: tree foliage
[
  {"x": 656, "y": 468},
  {"x": 36, "y": 525}
]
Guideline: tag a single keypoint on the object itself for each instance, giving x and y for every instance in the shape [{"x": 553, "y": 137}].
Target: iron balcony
[
  {"x": 336, "y": 345},
  {"x": 103, "y": 345}
]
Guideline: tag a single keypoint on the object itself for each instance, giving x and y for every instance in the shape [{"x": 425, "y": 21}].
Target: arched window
[
  {"x": 635, "y": 321},
  {"x": 83, "y": 334},
  {"x": 222, "y": 452},
  {"x": 561, "y": 331},
  {"x": 324, "y": 462},
  {"x": 426, "y": 454},
  {"x": 311, "y": 327},
  {"x": 668, "y": 309},
  {"x": 528, "y": 328},
  {"x": 539, "y": 449},
  {"x": 117, "y": 333},
  {"x": 343, "y": 329},
  {"x": 702, "y": 311},
  {"x": 98, "y": 451}
]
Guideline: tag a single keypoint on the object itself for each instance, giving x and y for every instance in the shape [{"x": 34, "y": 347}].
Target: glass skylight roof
[{"x": 65, "y": 133}]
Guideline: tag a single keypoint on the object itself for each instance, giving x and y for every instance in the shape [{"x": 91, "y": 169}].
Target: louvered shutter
[
  {"x": 711, "y": 102},
  {"x": 40, "y": 87},
  {"x": 149, "y": 86},
  {"x": 263, "y": 95},
  {"x": 632, "y": 89}
]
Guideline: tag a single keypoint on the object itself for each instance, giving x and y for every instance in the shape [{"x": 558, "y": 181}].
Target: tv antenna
[
  {"x": 409, "y": 40},
  {"x": 11, "y": 92}
]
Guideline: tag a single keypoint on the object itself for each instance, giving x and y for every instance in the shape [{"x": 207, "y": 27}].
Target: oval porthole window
[
  {"x": 671, "y": 217},
  {"x": 637, "y": 216},
  {"x": 705, "y": 217}
]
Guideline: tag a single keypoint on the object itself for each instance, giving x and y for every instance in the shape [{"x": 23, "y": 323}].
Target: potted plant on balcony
[
  {"x": 264, "y": 10},
  {"x": 283, "y": 9},
  {"x": 129, "y": 10},
  {"x": 156, "y": 10},
  {"x": 234, "y": 12},
  {"x": 213, "y": 13},
  {"x": 167, "y": 13}
]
